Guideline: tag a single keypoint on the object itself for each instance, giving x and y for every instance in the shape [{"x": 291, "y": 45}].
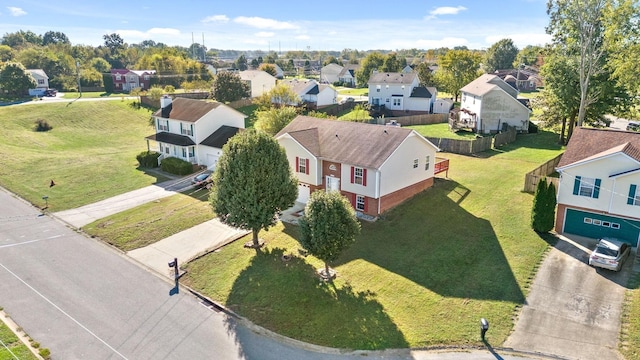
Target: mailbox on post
[{"x": 484, "y": 326}]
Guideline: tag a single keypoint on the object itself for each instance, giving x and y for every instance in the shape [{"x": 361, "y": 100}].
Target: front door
[{"x": 333, "y": 184}]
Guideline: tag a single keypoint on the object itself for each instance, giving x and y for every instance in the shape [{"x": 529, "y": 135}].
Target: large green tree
[
  {"x": 55, "y": 37},
  {"x": 544, "y": 207},
  {"x": 500, "y": 56},
  {"x": 275, "y": 119},
  {"x": 328, "y": 226},
  {"x": 252, "y": 182},
  {"x": 622, "y": 38},
  {"x": 228, "y": 86},
  {"x": 15, "y": 80},
  {"x": 529, "y": 55},
  {"x": 577, "y": 28},
  {"x": 281, "y": 95},
  {"x": 456, "y": 69},
  {"x": 425, "y": 74},
  {"x": 370, "y": 63}
]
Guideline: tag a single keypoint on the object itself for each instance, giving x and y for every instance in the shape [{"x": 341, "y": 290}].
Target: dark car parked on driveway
[{"x": 201, "y": 180}]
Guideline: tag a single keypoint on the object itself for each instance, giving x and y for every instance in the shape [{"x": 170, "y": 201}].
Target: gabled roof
[
  {"x": 189, "y": 109},
  {"x": 392, "y": 78},
  {"x": 421, "y": 92},
  {"x": 346, "y": 142},
  {"x": 349, "y": 69},
  {"x": 220, "y": 136},
  {"x": 588, "y": 143},
  {"x": 301, "y": 86},
  {"x": 38, "y": 72},
  {"x": 252, "y": 74},
  {"x": 486, "y": 83},
  {"x": 143, "y": 72},
  {"x": 170, "y": 138}
]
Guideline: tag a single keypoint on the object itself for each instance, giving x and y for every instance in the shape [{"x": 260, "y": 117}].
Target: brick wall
[{"x": 391, "y": 200}]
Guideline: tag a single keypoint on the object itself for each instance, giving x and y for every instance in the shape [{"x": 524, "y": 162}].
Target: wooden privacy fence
[
  {"x": 532, "y": 178},
  {"x": 422, "y": 119},
  {"x": 505, "y": 137},
  {"x": 463, "y": 147}
]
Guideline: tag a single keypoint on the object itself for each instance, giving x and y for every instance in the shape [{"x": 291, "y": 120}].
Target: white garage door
[
  {"x": 212, "y": 160},
  {"x": 303, "y": 193}
]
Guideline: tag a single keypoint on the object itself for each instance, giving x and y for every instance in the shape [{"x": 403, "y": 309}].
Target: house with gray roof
[
  {"x": 599, "y": 186},
  {"x": 488, "y": 104},
  {"x": 400, "y": 94},
  {"x": 193, "y": 130},
  {"x": 312, "y": 93},
  {"x": 376, "y": 167},
  {"x": 329, "y": 73}
]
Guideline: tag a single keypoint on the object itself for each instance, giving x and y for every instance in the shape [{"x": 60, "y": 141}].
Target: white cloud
[
  {"x": 302, "y": 37},
  {"x": 158, "y": 34},
  {"x": 262, "y": 23},
  {"x": 265, "y": 34},
  {"x": 445, "y": 10},
  {"x": 216, "y": 18},
  {"x": 16, "y": 11}
]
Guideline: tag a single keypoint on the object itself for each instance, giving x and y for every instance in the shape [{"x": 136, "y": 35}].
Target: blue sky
[{"x": 273, "y": 25}]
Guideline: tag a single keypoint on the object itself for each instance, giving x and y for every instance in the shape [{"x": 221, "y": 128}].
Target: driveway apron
[{"x": 572, "y": 310}]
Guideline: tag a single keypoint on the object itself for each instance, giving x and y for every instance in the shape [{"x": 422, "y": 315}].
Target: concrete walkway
[{"x": 186, "y": 245}]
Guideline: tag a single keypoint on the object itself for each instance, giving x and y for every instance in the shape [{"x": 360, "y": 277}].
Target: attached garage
[
  {"x": 304, "y": 191},
  {"x": 595, "y": 226},
  {"x": 212, "y": 160}
]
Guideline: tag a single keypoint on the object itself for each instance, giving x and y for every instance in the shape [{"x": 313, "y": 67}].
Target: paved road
[
  {"x": 83, "y": 300},
  {"x": 573, "y": 310}
]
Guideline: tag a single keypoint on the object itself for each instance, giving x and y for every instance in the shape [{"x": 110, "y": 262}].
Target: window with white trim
[
  {"x": 397, "y": 102},
  {"x": 360, "y": 202},
  {"x": 415, "y": 163},
  {"x": 302, "y": 165},
  {"x": 634, "y": 195},
  {"x": 163, "y": 125},
  {"x": 427, "y": 162},
  {"x": 584, "y": 186},
  {"x": 358, "y": 175}
]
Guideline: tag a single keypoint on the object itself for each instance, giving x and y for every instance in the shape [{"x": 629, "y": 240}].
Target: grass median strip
[{"x": 154, "y": 221}]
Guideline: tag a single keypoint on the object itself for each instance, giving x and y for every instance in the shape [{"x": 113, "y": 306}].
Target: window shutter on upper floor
[
  {"x": 596, "y": 189},
  {"x": 364, "y": 177},
  {"x": 353, "y": 174},
  {"x": 306, "y": 166},
  {"x": 632, "y": 194},
  {"x": 297, "y": 164},
  {"x": 576, "y": 185}
]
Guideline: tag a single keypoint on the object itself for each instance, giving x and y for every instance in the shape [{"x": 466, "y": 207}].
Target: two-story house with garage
[
  {"x": 375, "y": 166},
  {"x": 599, "y": 187},
  {"x": 193, "y": 130}
]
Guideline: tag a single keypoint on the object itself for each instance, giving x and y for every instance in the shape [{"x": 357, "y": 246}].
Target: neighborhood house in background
[
  {"x": 193, "y": 130},
  {"x": 127, "y": 80},
  {"x": 312, "y": 93},
  {"x": 375, "y": 166},
  {"x": 599, "y": 188},
  {"x": 488, "y": 105},
  {"x": 399, "y": 94}
]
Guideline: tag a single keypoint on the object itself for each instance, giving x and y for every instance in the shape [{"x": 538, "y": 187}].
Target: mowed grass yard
[
  {"x": 90, "y": 153},
  {"x": 421, "y": 276}
]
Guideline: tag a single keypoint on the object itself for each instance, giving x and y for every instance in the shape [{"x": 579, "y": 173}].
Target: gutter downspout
[{"x": 378, "y": 190}]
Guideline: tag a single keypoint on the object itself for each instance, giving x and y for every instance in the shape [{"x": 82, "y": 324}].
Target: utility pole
[{"x": 78, "y": 76}]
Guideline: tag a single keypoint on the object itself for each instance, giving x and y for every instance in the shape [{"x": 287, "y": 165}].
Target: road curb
[{"x": 26, "y": 340}]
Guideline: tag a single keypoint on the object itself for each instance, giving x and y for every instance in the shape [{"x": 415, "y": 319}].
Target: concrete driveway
[{"x": 572, "y": 310}]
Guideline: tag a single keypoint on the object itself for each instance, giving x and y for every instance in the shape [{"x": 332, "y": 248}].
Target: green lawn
[
  {"x": 154, "y": 221},
  {"x": 442, "y": 131},
  {"x": 13, "y": 344},
  {"x": 90, "y": 152},
  {"x": 630, "y": 325},
  {"x": 92, "y": 94},
  {"x": 351, "y": 91},
  {"x": 358, "y": 113},
  {"x": 250, "y": 111},
  {"x": 423, "y": 275}
]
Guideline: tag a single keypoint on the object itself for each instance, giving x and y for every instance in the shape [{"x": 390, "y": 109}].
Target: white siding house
[
  {"x": 400, "y": 92},
  {"x": 193, "y": 130},
  {"x": 488, "y": 103},
  {"x": 259, "y": 81},
  {"x": 599, "y": 187}
]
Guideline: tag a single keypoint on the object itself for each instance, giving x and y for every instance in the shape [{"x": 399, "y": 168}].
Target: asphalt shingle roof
[
  {"x": 188, "y": 109},
  {"x": 588, "y": 143},
  {"x": 220, "y": 136},
  {"x": 352, "y": 143}
]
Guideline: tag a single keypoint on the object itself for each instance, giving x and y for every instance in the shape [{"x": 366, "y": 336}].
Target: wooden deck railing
[{"x": 441, "y": 165}]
